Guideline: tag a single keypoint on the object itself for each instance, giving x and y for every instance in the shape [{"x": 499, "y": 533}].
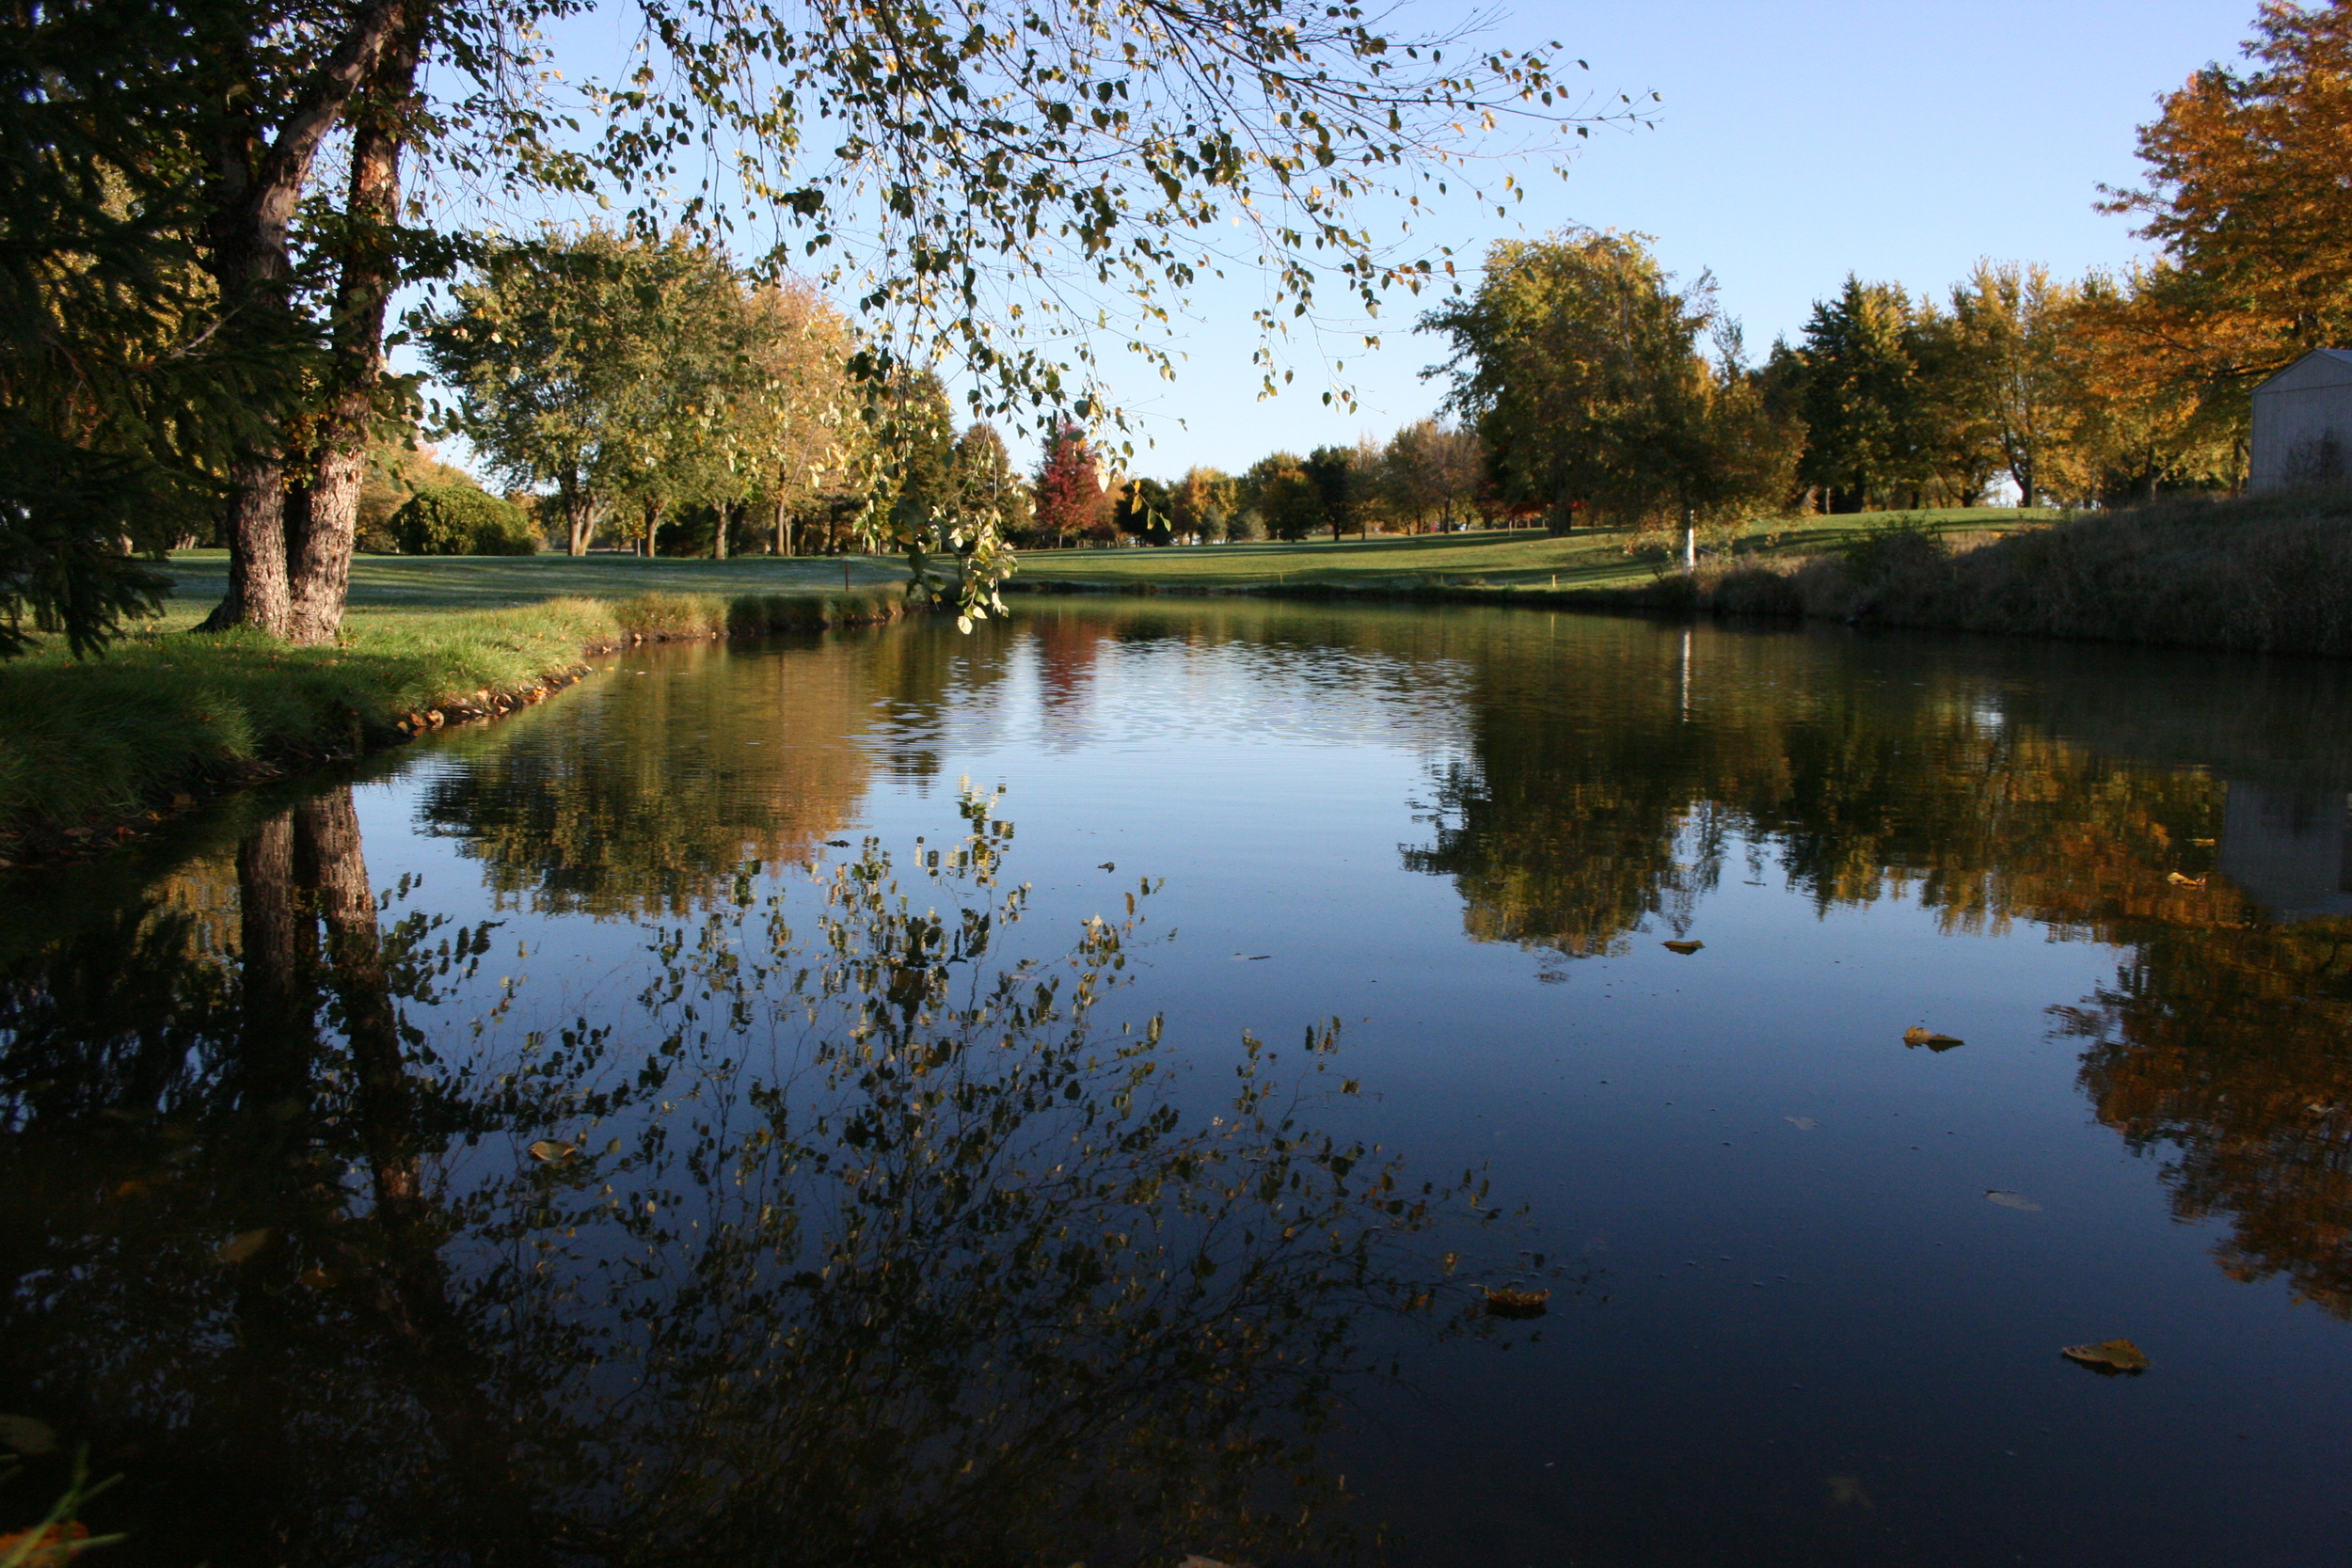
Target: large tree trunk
[
  {"x": 258, "y": 182},
  {"x": 784, "y": 531},
  {"x": 319, "y": 551},
  {"x": 719, "y": 543},
  {"x": 579, "y": 514},
  {"x": 258, "y": 592}
]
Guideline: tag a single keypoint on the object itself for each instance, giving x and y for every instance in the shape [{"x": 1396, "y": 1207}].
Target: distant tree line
[{"x": 654, "y": 395}]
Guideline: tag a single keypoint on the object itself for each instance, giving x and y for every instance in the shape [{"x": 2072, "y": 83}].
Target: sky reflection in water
[{"x": 1808, "y": 1284}]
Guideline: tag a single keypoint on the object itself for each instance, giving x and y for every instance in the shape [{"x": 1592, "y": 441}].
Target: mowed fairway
[
  {"x": 382, "y": 584},
  {"x": 389, "y": 585},
  {"x": 1496, "y": 558}
]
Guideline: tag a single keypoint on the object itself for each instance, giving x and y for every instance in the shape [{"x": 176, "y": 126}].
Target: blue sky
[{"x": 1792, "y": 144}]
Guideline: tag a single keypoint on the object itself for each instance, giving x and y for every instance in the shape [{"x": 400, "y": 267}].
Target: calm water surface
[{"x": 806, "y": 1105}]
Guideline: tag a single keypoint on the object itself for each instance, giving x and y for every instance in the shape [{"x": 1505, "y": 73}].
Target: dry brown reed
[{"x": 2271, "y": 574}]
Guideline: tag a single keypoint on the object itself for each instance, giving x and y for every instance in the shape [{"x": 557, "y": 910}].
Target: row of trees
[
  {"x": 1598, "y": 388},
  {"x": 1590, "y": 386},
  {"x": 647, "y": 377},
  {"x": 206, "y": 207},
  {"x": 2060, "y": 389},
  {"x": 1426, "y": 475}
]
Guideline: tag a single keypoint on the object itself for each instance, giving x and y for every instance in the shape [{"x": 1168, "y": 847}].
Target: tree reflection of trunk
[
  {"x": 355, "y": 967},
  {"x": 275, "y": 1040},
  {"x": 446, "y": 1374},
  {"x": 275, "y": 1055}
]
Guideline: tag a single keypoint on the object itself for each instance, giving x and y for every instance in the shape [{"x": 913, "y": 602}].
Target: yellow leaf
[
  {"x": 1682, "y": 946},
  {"x": 552, "y": 1152},
  {"x": 2108, "y": 1356}
]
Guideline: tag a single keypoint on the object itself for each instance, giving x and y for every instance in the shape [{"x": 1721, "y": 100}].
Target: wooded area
[
  {"x": 210, "y": 205},
  {"x": 208, "y": 217}
]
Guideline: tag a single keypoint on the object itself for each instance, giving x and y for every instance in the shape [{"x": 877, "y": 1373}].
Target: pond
[{"x": 1285, "y": 1084}]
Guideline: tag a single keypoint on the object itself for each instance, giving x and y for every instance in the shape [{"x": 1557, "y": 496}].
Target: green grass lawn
[
  {"x": 167, "y": 714},
  {"x": 1497, "y": 557},
  {"x": 381, "y": 583}
]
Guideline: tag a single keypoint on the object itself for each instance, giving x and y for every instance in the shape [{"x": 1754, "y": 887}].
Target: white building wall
[{"x": 2303, "y": 423}]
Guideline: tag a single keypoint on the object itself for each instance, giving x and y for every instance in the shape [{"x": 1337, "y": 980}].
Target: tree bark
[
  {"x": 579, "y": 514},
  {"x": 784, "y": 531},
  {"x": 719, "y": 544},
  {"x": 257, "y": 181},
  {"x": 319, "y": 550}
]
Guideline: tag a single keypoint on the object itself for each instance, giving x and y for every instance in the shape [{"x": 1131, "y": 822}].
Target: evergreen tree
[{"x": 1861, "y": 397}]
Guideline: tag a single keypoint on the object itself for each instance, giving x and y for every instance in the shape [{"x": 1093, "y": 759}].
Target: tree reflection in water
[
  {"x": 2225, "y": 1042},
  {"x": 857, "y": 1244}
]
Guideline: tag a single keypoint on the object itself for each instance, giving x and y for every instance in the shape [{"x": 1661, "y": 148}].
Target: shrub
[
  {"x": 1898, "y": 548},
  {"x": 459, "y": 519}
]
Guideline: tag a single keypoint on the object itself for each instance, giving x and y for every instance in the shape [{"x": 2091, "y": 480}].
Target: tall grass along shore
[
  {"x": 93, "y": 751},
  {"x": 2260, "y": 574}
]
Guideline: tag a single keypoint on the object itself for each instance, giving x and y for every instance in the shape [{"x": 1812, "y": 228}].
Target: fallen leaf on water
[
  {"x": 831, "y": 843},
  {"x": 2108, "y": 1356},
  {"x": 1252, "y": 957},
  {"x": 1917, "y": 1037},
  {"x": 241, "y": 1246},
  {"x": 2012, "y": 1200},
  {"x": 1515, "y": 1304},
  {"x": 1682, "y": 946},
  {"x": 1107, "y": 865},
  {"x": 1194, "y": 1559},
  {"x": 1803, "y": 1124},
  {"x": 2179, "y": 880},
  {"x": 27, "y": 1435},
  {"x": 2202, "y": 843},
  {"x": 551, "y": 1152}
]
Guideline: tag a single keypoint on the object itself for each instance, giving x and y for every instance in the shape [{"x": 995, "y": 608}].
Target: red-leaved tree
[{"x": 1069, "y": 499}]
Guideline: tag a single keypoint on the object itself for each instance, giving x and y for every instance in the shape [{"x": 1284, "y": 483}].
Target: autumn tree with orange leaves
[{"x": 2246, "y": 194}]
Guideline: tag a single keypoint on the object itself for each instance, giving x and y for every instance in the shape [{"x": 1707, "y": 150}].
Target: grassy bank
[
  {"x": 93, "y": 751},
  {"x": 1513, "y": 560},
  {"x": 2260, "y": 574},
  {"x": 2266, "y": 574}
]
